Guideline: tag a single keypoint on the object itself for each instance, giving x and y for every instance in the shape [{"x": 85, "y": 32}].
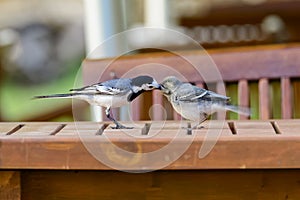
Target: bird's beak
[
  {"x": 156, "y": 85},
  {"x": 165, "y": 90}
]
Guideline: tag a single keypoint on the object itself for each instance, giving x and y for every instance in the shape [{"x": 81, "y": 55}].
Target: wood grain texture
[
  {"x": 264, "y": 99},
  {"x": 176, "y": 116},
  {"x": 10, "y": 185},
  {"x": 157, "y": 111},
  {"x": 206, "y": 184},
  {"x": 246, "y": 144},
  {"x": 296, "y": 100},
  {"x": 135, "y": 108},
  {"x": 220, "y": 89},
  {"x": 246, "y": 63},
  {"x": 286, "y": 98},
  {"x": 243, "y": 96}
]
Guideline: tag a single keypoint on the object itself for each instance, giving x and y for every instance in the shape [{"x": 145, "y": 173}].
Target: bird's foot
[
  {"x": 120, "y": 126},
  {"x": 198, "y": 127},
  {"x": 193, "y": 128}
]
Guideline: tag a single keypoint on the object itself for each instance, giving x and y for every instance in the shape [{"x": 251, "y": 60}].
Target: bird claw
[
  {"x": 120, "y": 126},
  {"x": 193, "y": 128},
  {"x": 198, "y": 127}
]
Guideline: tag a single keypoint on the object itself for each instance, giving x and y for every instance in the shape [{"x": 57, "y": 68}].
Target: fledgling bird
[
  {"x": 111, "y": 94},
  {"x": 195, "y": 103}
]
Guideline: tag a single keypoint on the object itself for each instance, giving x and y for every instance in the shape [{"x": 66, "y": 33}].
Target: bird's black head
[
  {"x": 141, "y": 84},
  {"x": 144, "y": 83}
]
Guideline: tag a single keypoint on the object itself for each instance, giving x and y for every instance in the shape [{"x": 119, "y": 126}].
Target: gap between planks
[{"x": 144, "y": 131}]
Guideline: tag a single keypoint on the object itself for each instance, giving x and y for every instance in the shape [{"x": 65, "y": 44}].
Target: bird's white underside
[{"x": 105, "y": 100}]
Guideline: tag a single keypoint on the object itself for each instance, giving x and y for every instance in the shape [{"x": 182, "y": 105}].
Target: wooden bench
[{"x": 252, "y": 159}]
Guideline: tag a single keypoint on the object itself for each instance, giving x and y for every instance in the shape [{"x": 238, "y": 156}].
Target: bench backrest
[{"x": 264, "y": 77}]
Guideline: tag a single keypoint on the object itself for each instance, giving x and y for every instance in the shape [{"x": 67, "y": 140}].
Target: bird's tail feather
[
  {"x": 239, "y": 109},
  {"x": 69, "y": 95}
]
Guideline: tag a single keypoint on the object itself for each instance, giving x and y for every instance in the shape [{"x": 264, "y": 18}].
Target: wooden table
[{"x": 249, "y": 160}]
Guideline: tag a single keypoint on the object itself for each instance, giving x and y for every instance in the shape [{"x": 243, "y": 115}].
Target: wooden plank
[
  {"x": 166, "y": 134},
  {"x": 264, "y": 104},
  {"x": 177, "y": 116},
  {"x": 80, "y": 129},
  {"x": 208, "y": 184},
  {"x": 290, "y": 127},
  {"x": 169, "y": 124},
  {"x": 86, "y": 185},
  {"x": 243, "y": 96},
  {"x": 8, "y": 127},
  {"x": 135, "y": 108},
  {"x": 47, "y": 153},
  {"x": 220, "y": 89},
  {"x": 37, "y": 129},
  {"x": 254, "y": 128},
  {"x": 157, "y": 111},
  {"x": 286, "y": 98},
  {"x": 296, "y": 93},
  {"x": 10, "y": 185},
  {"x": 135, "y": 131},
  {"x": 254, "y": 100},
  {"x": 245, "y": 62},
  {"x": 214, "y": 128},
  {"x": 156, "y": 130}
]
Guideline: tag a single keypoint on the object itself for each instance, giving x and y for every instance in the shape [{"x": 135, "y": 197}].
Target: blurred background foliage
[{"x": 41, "y": 47}]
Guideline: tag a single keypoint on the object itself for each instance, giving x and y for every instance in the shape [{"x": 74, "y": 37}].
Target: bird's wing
[
  {"x": 112, "y": 87},
  {"x": 188, "y": 92}
]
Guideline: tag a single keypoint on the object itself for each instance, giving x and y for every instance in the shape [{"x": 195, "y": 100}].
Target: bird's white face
[
  {"x": 147, "y": 86},
  {"x": 151, "y": 86},
  {"x": 169, "y": 85}
]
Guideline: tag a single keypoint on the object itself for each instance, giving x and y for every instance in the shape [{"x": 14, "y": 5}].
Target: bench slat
[
  {"x": 286, "y": 99},
  {"x": 243, "y": 96},
  {"x": 6, "y": 128},
  {"x": 264, "y": 105},
  {"x": 157, "y": 109},
  {"x": 135, "y": 108}
]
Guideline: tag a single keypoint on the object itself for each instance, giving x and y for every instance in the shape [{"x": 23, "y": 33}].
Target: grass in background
[
  {"x": 275, "y": 99},
  {"x": 16, "y": 100},
  {"x": 232, "y": 92}
]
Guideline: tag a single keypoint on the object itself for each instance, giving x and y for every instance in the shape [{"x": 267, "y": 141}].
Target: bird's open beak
[
  {"x": 165, "y": 90},
  {"x": 156, "y": 85}
]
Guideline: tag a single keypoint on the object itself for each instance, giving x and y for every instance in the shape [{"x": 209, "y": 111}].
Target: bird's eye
[{"x": 150, "y": 86}]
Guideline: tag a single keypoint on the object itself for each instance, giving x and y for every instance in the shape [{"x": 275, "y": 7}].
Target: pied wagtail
[
  {"x": 111, "y": 94},
  {"x": 196, "y": 103}
]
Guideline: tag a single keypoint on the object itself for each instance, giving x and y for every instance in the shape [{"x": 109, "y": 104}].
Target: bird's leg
[
  {"x": 118, "y": 125},
  {"x": 197, "y": 126},
  {"x": 205, "y": 116}
]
